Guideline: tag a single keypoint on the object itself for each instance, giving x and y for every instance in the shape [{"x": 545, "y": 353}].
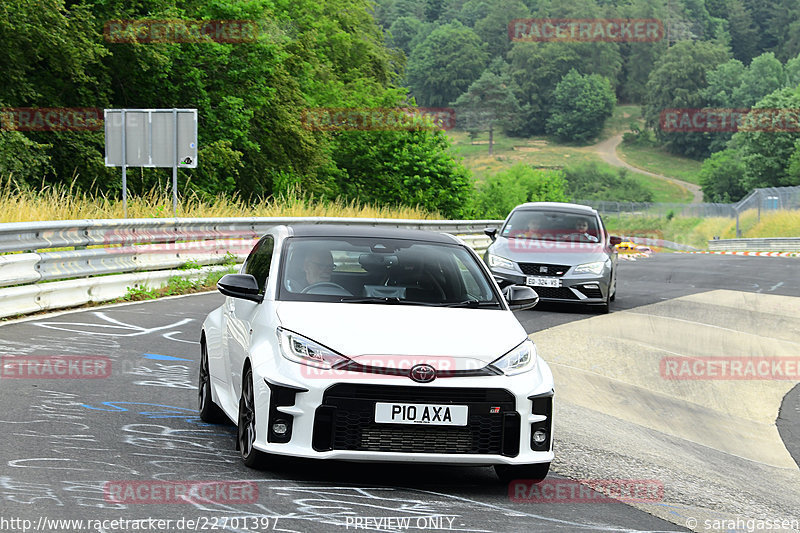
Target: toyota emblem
[{"x": 422, "y": 373}]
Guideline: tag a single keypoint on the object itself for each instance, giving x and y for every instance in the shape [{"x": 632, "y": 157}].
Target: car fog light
[
  {"x": 539, "y": 436},
  {"x": 280, "y": 428}
]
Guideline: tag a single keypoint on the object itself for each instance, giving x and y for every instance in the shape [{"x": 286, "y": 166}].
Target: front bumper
[
  {"x": 333, "y": 418},
  {"x": 574, "y": 289}
]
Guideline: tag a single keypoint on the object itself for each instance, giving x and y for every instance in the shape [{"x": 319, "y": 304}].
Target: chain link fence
[{"x": 762, "y": 200}]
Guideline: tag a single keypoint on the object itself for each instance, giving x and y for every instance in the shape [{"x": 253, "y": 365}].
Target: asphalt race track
[{"x": 65, "y": 439}]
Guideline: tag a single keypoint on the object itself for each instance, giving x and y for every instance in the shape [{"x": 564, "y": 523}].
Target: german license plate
[
  {"x": 542, "y": 282},
  {"x": 421, "y": 413}
]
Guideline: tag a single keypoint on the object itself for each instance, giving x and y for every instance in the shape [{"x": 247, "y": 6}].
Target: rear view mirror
[
  {"x": 520, "y": 297},
  {"x": 242, "y": 286},
  {"x": 491, "y": 233},
  {"x": 614, "y": 240}
]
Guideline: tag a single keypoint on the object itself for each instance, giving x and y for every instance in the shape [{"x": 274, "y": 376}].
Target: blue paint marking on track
[
  {"x": 169, "y": 411},
  {"x": 157, "y": 357}
]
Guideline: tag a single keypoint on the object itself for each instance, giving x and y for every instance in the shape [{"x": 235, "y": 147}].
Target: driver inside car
[
  {"x": 316, "y": 268},
  {"x": 582, "y": 229}
]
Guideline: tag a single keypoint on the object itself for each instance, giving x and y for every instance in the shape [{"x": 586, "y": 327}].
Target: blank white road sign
[{"x": 150, "y": 137}]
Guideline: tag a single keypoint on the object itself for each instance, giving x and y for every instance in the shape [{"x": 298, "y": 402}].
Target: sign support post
[
  {"x": 175, "y": 163},
  {"x": 124, "y": 171}
]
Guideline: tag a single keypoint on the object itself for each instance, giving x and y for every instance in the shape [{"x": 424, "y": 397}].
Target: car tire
[
  {"x": 604, "y": 308},
  {"x": 246, "y": 426},
  {"x": 535, "y": 472},
  {"x": 209, "y": 411}
]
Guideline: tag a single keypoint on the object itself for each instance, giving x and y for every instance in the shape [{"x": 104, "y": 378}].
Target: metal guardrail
[
  {"x": 774, "y": 244},
  {"x": 145, "y": 252},
  {"x": 661, "y": 243}
]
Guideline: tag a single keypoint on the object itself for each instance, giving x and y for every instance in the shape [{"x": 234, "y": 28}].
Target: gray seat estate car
[{"x": 561, "y": 250}]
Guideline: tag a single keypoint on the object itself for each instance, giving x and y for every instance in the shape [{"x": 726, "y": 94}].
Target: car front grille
[
  {"x": 541, "y": 269},
  {"x": 346, "y": 421},
  {"x": 560, "y": 293}
]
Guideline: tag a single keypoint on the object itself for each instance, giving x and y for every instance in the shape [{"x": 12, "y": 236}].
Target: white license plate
[
  {"x": 542, "y": 282},
  {"x": 421, "y": 413}
]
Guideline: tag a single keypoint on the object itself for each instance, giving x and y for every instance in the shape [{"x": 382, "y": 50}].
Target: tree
[
  {"x": 581, "y": 105},
  {"x": 499, "y": 194},
  {"x": 493, "y": 28},
  {"x": 744, "y": 34},
  {"x": 403, "y": 168},
  {"x": 792, "y": 70},
  {"x": 723, "y": 83},
  {"x": 537, "y": 67},
  {"x": 433, "y": 9},
  {"x": 403, "y": 32},
  {"x": 721, "y": 177},
  {"x": 488, "y": 102},
  {"x": 677, "y": 82},
  {"x": 472, "y": 11},
  {"x": 766, "y": 150},
  {"x": 638, "y": 58},
  {"x": 250, "y": 97},
  {"x": 764, "y": 76},
  {"x": 445, "y": 64},
  {"x": 590, "y": 181}
]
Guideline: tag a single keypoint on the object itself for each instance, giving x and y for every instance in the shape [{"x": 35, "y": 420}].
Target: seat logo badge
[
  {"x": 543, "y": 270},
  {"x": 422, "y": 373}
]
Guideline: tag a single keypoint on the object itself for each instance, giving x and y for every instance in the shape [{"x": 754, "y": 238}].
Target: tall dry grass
[
  {"x": 698, "y": 231},
  {"x": 64, "y": 203}
]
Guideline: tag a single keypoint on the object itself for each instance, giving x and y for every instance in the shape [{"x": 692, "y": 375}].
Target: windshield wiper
[
  {"x": 394, "y": 300},
  {"x": 472, "y": 304}
]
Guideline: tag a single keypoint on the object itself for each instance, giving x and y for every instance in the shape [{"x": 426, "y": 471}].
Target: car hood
[
  {"x": 403, "y": 335},
  {"x": 549, "y": 252}
]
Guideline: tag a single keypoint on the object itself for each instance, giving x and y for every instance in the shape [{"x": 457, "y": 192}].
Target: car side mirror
[
  {"x": 491, "y": 233},
  {"x": 242, "y": 286},
  {"x": 520, "y": 297},
  {"x": 614, "y": 240}
]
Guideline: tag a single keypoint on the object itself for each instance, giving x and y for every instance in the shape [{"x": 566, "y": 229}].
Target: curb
[{"x": 760, "y": 254}]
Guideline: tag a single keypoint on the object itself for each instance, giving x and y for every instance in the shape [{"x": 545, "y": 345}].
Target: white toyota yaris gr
[{"x": 373, "y": 344}]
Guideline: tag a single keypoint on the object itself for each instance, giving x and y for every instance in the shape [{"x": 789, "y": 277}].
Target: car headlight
[
  {"x": 301, "y": 350},
  {"x": 590, "y": 268},
  {"x": 502, "y": 262},
  {"x": 521, "y": 359}
]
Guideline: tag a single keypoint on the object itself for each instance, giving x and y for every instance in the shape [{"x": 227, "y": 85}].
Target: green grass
[
  {"x": 659, "y": 161},
  {"x": 542, "y": 152},
  {"x": 539, "y": 152},
  {"x": 621, "y": 120},
  {"x": 177, "y": 285},
  {"x": 698, "y": 231},
  {"x": 663, "y": 191}
]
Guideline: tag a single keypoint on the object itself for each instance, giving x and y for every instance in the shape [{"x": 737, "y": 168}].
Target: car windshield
[
  {"x": 385, "y": 271},
  {"x": 551, "y": 226}
]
